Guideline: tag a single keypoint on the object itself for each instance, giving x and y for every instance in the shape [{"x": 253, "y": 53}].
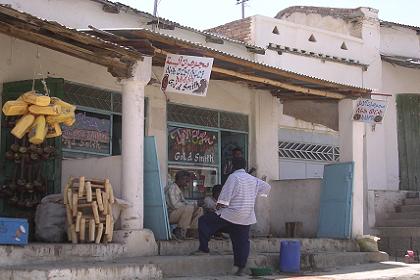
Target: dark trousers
[{"x": 211, "y": 223}]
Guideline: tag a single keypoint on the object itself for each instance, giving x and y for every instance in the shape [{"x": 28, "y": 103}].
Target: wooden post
[
  {"x": 82, "y": 229},
  {"x": 75, "y": 203},
  {"x": 99, "y": 233},
  {"x": 88, "y": 192},
  {"x": 91, "y": 230},
  {"x": 99, "y": 199},
  {"x": 81, "y": 186},
  {"x": 95, "y": 212},
  {"x": 106, "y": 202},
  {"x": 79, "y": 217}
]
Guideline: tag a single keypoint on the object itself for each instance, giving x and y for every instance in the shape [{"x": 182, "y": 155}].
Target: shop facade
[{"x": 241, "y": 109}]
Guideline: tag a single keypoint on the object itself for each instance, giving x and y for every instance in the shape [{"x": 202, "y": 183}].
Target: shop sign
[
  {"x": 195, "y": 146},
  {"x": 90, "y": 133},
  {"x": 186, "y": 74},
  {"x": 369, "y": 110}
]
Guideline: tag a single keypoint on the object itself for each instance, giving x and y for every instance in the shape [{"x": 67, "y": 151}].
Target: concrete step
[
  {"x": 401, "y": 223},
  {"x": 176, "y": 266},
  {"x": 34, "y": 253},
  {"x": 262, "y": 245},
  {"x": 408, "y": 208},
  {"x": 405, "y": 215},
  {"x": 411, "y": 201}
]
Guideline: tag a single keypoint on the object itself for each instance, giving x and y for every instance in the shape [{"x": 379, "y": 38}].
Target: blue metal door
[
  {"x": 335, "y": 215},
  {"x": 155, "y": 211}
]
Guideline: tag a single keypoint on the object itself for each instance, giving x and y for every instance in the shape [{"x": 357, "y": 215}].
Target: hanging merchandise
[{"x": 41, "y": 116}]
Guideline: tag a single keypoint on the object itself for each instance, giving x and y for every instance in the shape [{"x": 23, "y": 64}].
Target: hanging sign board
[
  {"x": 186, "y": 74},
  {"x": 369, "y": 110}
]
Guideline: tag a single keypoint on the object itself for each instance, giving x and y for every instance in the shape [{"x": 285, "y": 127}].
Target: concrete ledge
[
  {"x": 83, "y": 271},
  {"x": 45, "y": 252},
  {"x": 258, "y": 245},
  {"x": 157, "y": 267}
]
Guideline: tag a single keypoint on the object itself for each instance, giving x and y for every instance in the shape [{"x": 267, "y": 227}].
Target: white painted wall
[
  {"x": 399, "y": 41},
  {"x": 287, "y": 205},
  {"x": 296, "y": 36}
]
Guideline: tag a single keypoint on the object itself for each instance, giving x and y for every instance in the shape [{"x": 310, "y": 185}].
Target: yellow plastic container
[
  {"x": 65, "y": 107},
  {"x": 22, "y": 125},
  {"x": 38, "y": 131},
  {"x": 63, "y": 117},
  {"x": 50, "y": 110},
  {"x": 15, "y": 108},
  {"x": 69, "y": 122},
  {"x": 36, "y": 99},
  {"x": 54, "y": 130}
]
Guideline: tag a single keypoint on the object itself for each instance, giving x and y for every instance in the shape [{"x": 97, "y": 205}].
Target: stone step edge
[{"x": 157, "y": 260}]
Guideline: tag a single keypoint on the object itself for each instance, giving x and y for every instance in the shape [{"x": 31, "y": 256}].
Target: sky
[{"x": 203, "y": 14}]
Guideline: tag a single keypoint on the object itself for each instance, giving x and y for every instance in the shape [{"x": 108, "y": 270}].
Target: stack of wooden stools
[{"x": 89, "y": 210}]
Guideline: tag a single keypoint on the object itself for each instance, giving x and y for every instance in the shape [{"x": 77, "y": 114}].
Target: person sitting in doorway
[
  {"x": 209, "y": 206},
  {"x": 210, "y": 202},
  {"x": 182, "y": 213}
]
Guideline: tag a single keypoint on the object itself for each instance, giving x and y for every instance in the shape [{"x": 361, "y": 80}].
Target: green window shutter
[{"x": 408, "y": 122}]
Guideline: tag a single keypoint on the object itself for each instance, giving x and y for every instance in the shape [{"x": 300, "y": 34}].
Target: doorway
[{"x": 229, "y": 142}]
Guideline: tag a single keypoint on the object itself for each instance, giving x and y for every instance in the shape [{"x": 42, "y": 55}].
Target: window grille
[
  {"x": 92, "y": 97},
  {"x": 206, "y": 117},
  {"x": 307, "y": 151},
  {"x": 233, "y": 121}
]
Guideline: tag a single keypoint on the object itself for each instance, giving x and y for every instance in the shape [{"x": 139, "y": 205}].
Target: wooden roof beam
[
  {"x": 278, "y": 84},
  {"x": 115, "y": 67}
]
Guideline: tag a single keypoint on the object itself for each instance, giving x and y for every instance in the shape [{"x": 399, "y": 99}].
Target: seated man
[
  {"x": 209, "y": 206},
  {"x": 210, "y": 202},
  {"x": 182, "y": 213}
]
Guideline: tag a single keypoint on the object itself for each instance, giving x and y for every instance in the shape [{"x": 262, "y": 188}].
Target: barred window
[
  {"x": 206, "y": 117},
  {"x": 308, "y": 151}
]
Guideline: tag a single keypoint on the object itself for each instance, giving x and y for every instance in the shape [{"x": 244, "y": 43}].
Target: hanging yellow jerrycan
[
  {"x": 22, "y": 125},
  {"x": 51, "y": 110},
  {"x": 65, "y": 107},
  {"x": 36, "y": 99},
  {"x": 54, "y": 130},
  {"x": 69, "y": 122},
  {"x": 15, "y": 108},
  {"x": 61, "y": 118},
  {"x": 38, "y": 131}
]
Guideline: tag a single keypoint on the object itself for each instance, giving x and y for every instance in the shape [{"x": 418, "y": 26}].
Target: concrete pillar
[
  {"x": 351, "y": 149},
  {"x": 266, "y": 116},
  {"x": 139, "y": 241}
]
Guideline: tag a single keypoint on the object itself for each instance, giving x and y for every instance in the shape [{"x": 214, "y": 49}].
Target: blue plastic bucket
[{"x": 290, "y": 256}]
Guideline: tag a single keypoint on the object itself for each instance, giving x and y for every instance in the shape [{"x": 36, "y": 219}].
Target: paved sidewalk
[{"x": 374, "y": 271}]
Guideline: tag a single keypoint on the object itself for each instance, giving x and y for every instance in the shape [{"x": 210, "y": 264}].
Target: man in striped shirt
[{"x": 235, "y": 213}]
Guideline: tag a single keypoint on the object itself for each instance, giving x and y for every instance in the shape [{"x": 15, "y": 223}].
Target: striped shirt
[{"x": 239, "y": 194}]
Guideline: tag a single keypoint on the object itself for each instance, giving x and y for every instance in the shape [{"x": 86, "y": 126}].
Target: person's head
[
  {"x": 217, "y": 189},
  {"x": 182, "y": 178},
  {"x": 238, "y": 163},
  {"x": 236, "y": 153}
]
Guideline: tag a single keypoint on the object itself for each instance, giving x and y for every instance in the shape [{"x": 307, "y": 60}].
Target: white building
[{"x": 350, "y": 46}]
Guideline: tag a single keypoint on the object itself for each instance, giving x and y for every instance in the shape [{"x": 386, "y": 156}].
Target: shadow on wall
[
  {"x": 295, "y": 201},
  {"x": 101, "y": 168}
]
